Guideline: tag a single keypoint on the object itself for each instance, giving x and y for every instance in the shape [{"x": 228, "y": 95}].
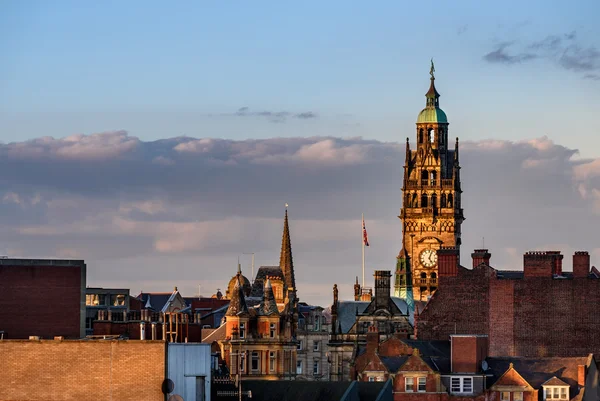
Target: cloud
[
  {"x": 274, "y": 116},
  {"x": 562, "y": 50},
  {"x": 180, "y": 210}
]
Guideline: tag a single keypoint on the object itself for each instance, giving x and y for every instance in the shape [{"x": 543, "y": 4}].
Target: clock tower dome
[{"x": 431, "y": 211}]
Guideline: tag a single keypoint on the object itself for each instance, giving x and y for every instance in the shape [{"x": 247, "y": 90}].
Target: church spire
[{"x": 285, "y": 260}]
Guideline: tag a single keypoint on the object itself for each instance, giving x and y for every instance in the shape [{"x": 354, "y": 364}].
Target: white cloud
[{"x": 190, "y": 207}]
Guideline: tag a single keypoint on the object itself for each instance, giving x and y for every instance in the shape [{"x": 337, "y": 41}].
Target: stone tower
[{"x": 431, "y": 212}]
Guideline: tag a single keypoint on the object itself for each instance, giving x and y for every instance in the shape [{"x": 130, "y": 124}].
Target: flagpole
[{"x": 363, "y": 248}]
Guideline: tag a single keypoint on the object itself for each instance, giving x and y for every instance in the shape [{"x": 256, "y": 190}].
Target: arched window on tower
[
  {"x": 450, "y": 203},
  {"x": 441, "y": 135},
  {"x": 423, "y": 278},
  {"x": 434, "y": 201},
  {"x": 433, "y": 277},
  {"x": 433, "y": 176},
  {"x": 424, "y": 177},
  {"x": 443, "y": 200},
  {"x": 414, "y": 200},
  {"x": 432, "y": 136},
  {"x": 424, "y": 200},
  {"x": 421, "y": 135}
]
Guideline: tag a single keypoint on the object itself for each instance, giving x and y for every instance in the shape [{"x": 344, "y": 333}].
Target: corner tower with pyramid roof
[{"x": 431, "y": 211}]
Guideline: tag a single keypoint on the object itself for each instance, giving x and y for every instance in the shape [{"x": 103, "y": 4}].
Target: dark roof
[
  {"x": 393, "y": 363},
  {"x": 436, "y": 348},
  {"x": 369, "y": 391},
  {"x": 347, "y": 311},
  {"x": 537, "y": 371},
  {"x": 237, "y": 303},
  {"x": 268, "y": 306},
  {"x": 157, "y": 299},
  {"x": 261, "y": 275}
]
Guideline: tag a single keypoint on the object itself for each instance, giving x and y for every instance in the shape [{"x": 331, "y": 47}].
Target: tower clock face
[{"x": 428, "y": 258}]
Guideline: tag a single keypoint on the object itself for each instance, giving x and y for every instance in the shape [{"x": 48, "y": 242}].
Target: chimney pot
[{"x": 480, "y": 256}]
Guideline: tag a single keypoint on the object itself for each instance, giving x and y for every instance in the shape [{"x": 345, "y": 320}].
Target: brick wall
[
  {"x": 534, "y": 316},
  {"x": 460, "y": 306},
  {"x": 82, "y": 370},
  {"x": 42, "y": 298}
]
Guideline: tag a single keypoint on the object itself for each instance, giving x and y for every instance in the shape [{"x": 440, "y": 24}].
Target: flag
[{"x": 365, "y": 236}]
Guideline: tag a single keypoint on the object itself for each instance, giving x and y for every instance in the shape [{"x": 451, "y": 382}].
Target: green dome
[{"x": 432, "y": 115}]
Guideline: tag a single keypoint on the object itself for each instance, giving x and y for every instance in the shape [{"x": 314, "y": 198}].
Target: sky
[{"x": 160, "y": 142}]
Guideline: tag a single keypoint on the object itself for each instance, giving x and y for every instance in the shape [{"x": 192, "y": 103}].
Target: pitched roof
[
  {"x": 261, "y": 276},
  {"x": 347, "y": 311},
  {"x": 554, "y": 381},
  {"x": 393, "y": 363},
  {"x": 216, "y": 335},
  {"x": 268, "y": 306},
  {"x": 237, "y": 303},
  {"x": 537, "y": 371}
]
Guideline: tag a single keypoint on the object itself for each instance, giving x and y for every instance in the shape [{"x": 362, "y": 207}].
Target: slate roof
[
  {"x": 261, "y": 275},
  {"x": 237, "y": 303},
  {"x": 537, "y": 371},
  {"x": 216, "y": 335},
  {"x": 157, "y": 299},
  {"x": 268, "y": 306},
  {"x": 347, "y": 311},
  {"x": 393, "y": 363}
]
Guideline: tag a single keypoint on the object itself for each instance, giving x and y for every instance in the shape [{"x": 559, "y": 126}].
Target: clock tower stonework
[{"x": 431, "y": 211}]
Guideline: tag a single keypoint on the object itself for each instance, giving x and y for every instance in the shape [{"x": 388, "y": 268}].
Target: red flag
[{"x": 365, "y": 236}]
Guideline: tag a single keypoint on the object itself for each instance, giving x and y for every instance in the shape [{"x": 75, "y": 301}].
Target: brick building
[
  {"x": 55, "y": 298},
  {"x": 541, "y": 311},
  {"x": 460, "y": 369},
  {"x": 81, "y": 370}
]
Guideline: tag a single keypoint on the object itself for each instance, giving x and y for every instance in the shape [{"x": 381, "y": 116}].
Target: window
[
  {"x": 317, "y": 323},
  {"x": 95, "y": 299},
  {"x": 563, "y": 393},
  {"x": 255, "y": 361},
  {"x": 298, "y": 367},
  {"x": 421, "y": 385},
  {"x": 461, "y": 385},
  {"x": 409, "y": 384},
  {"x": 242, "y": 330},
  {"x": 556, "y": 393},
  {"x": 518, "y": 396},
  {"x": 504, "y": 396},
  {"x": 316, "y": 345},
  {"x": 371, "y": 379},
  {"x": 117, "y": 300},
  {"x": 300, "y": 345},
  {"x": 243, "y": 362},
  {"x": 272, "y": 361},
  {"x": 316, "y": 367},
  {"x": 272, "y": 330}
]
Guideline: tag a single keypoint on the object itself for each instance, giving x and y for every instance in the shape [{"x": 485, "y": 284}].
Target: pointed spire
[
  {"x": 407, "y": 151},
  {"x": 148, "y": 304},
  {"x": 286, "y": 262},
  {"x": 237, "y": 304},
  {"x": 268, "y": 305}
]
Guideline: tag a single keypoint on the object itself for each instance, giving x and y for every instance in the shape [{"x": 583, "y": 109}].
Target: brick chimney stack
[
  {"x": 448, "y": 261},
  {"x": 581, "y": 264},
  {"x": 372, "y": 340},
  {"x": 542, "y": 263},
  {"x": 581, "y": 375},
  {"x": 481, "y": 256},
  {"x": 467, "y": 352}
]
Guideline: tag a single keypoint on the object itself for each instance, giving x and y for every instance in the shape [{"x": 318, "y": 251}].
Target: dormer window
[
  {"x": 242, "y": 330},
  {"x": 272, "y": 330},
  {"x": 556, "y": 392},
  {"x": 461, "y": 385}
]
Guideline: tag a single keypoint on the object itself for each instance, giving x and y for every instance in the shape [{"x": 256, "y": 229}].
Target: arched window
[
  {"x": 433, "y": 176},
  {"x": 423, "y": 275},
  {"x": 434, "y": 201},
  {"x": 414, "y": 200},
  {"x": 433, "y": 278},
  {"x": 443, "y": 200},
  {"x": 424, "y": 200},
  {"x": 450, "y": 200},
  {"x": 432, "y": 136},
  {"x": 421, "y": 135}
]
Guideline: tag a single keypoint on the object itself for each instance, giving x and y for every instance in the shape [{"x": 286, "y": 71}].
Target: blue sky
[{"x": 161, "y": 70}]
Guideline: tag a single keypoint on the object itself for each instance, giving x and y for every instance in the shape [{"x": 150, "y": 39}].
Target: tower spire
[
  {"x": 432, "y": 95},
  {"x": 286, "y": 262}
]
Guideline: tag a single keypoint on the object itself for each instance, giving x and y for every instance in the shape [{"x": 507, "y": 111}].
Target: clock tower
[{"x": 431, "y": 211}]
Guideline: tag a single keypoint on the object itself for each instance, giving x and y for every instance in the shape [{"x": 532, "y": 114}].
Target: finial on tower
[{"x": 432, "y": 70}]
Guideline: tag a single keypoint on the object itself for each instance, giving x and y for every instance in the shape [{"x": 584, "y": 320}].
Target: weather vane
[
  {"x": 286, "y": 205},
  {"x": 432, "y": 70}
]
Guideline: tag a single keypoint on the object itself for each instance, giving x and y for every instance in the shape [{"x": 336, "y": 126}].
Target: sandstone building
[{"x": 431, "y": 211}]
